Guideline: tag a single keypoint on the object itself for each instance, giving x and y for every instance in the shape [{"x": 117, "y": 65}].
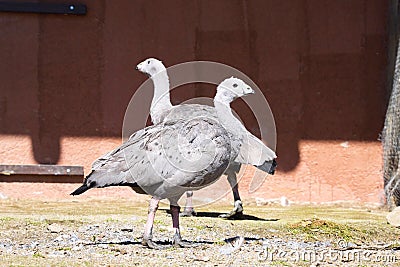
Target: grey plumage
[
  {"x": 152, "y": 162},
  {"x": 170, "y": 158},
  {"x": 253, "y": 152}
]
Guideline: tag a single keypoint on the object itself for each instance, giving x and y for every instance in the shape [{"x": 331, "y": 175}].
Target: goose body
[
  {"x": 152, "y": 162},
  {"x": 252, "y": 151},
  {"x": 170, "y": 158}
]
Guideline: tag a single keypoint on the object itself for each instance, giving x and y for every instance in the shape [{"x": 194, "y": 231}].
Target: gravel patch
[{"x": 89, "y": 238}]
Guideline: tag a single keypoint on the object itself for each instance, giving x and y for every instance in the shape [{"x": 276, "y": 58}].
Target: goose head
[
  {"x": 233, "y": 88},
  {"x": 151, "y": 66}
]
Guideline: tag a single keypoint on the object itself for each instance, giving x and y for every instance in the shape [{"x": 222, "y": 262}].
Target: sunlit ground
[{"x": 108, "y": 233}]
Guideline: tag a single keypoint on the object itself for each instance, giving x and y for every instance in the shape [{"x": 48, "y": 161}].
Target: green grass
[
  {"x": 38, "y": 255},
  {"x": 314, "y": 228}
]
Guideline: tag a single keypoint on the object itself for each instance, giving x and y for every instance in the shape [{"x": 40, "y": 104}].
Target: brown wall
[{"x": 321, "y": 65}]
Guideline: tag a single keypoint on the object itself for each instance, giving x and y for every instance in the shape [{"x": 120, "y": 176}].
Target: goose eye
[
  {"x": 148, "y": 62},
  {"x": 235, "y": 85}
]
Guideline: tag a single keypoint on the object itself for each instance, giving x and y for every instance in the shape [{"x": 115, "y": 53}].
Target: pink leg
[
  {"x": 189, "y": 203},
  {"x": 189, "y": 210},
  {"x": 148, "y": 230}
]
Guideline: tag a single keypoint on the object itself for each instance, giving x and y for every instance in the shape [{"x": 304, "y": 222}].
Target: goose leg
[
  {"x": 188, "y": 211},
  {"x": 148, "y": 230},
  {"x": 177, "y": 240},
  {"x": 237, "y": 211}
]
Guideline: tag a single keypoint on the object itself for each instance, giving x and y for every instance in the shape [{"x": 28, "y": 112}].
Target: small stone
[
  {"x": 73, "y": 238},
  {"x": 345, "y": 144},
  {"x": 393, "y": 217},
  {"x": 76, "y": 248},
  {"x": 123, "y": 251},
  {"x": 261, "y": 201},
  {"x": 306, "y": 223},
  {"x": 61, "y": 238},
  {"x": 232, "y": 245},
  {"x": 205, "y": 259},
  {"x": 284, "y": 202},
  {"x": 54, "y": 228},
  {"x": 34, "y": 244}
]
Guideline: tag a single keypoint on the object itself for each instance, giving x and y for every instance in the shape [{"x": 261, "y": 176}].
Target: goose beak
[
  {"x": 139, "y": 67},
  {"x": 250, "y": 91}
]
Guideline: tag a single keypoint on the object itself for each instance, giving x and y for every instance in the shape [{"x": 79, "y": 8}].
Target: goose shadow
[
  {"x": 169, "y": 244},
  {"x": 165, "y": 243},
  {"x": 242, "y": 217},
  {"x": 125, "y": 243}
]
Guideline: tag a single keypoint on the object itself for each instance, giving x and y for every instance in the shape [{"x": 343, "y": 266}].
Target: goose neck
[
  {"x": 226, "y": 117},
  {"x": 161, "y": 99}
]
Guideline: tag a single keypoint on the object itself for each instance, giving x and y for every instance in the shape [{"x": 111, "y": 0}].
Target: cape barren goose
[
  {"x": 170, "y": 158},
  {"x": 253, "y": 152}
]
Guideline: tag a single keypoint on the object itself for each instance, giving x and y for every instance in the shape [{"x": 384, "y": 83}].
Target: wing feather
[{"x": 254, "y": 152}]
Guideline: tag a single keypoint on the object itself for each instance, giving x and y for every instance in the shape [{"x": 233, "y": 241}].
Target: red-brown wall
[{"x": 66, "y": 80}]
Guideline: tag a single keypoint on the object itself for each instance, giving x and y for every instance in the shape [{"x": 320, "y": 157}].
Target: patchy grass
[
  {"x": 315, "y": 229},
  {"x": 38, "y": 255},
  {"x": 112, "y": 222}
]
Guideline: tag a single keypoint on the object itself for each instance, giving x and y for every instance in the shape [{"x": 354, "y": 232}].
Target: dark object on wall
[
  {"x": 41, "y": 173},
  {"x": 47, "y": 8},
  {"x": 391, "y": 130}
]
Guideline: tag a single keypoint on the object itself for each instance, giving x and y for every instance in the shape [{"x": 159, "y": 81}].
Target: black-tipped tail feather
[
  {"x": 273, "y": 167},
  {"x": 268, "y": 166},
  {"x": 83, "y": 188},
  {"x": 80, "y": 190}
]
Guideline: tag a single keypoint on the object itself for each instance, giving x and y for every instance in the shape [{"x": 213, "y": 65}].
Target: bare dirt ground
[{"x": 107, "y": 232}]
